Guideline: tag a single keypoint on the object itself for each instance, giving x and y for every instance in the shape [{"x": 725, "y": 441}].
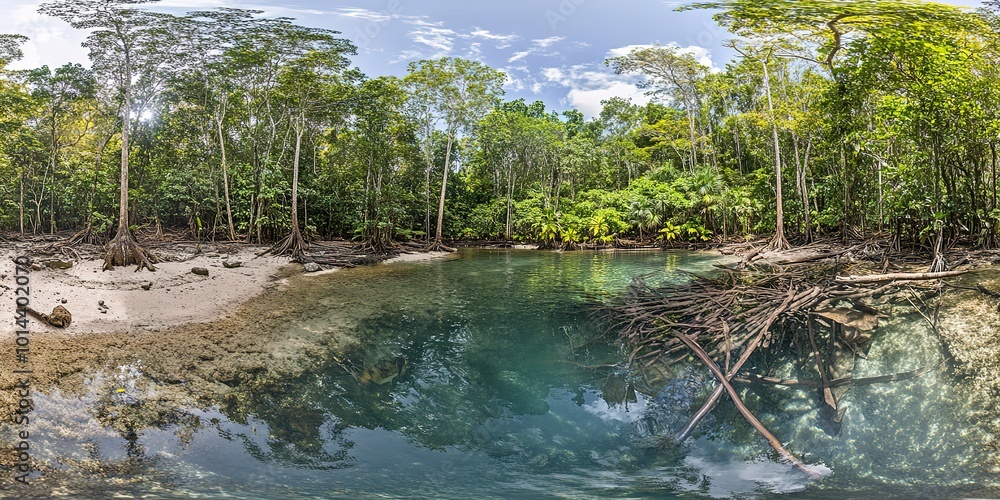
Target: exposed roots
[
  {"x": 124, "y": 250},
  {"x": 84, "y": 235},
  {"x": 723, "y": 321},
  {"x": 938, "y": 264},
  {"x": 377, "y": 246},
  {"x": 779, "y": 242},
  {"x": 293, "y": 245},
  {"x": 437, "y": 246}
]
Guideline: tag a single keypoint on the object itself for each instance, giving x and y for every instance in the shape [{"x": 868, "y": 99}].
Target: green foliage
[
  {"x": 881, "y": 116},
  {"x": 694, "y": 231},
  {"x": 669, "y": 232}
]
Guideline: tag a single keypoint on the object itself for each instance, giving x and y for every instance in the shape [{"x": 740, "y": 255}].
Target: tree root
[
  {"x": 124, "y": 250},
  {"x": 293, "y": 244},
  {"x": 437, "y": 246},
  {"x": 747, "y": 414},
  {"x": 734, "y": 314},
  {"x": 377, "y": 247},
  {"x": 779, "y": 243}
]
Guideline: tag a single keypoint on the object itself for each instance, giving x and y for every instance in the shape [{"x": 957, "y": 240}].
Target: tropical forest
[{"x": 779, "y": 268}]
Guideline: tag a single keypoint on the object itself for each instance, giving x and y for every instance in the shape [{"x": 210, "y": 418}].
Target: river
[{"x": 501, "y": 397}]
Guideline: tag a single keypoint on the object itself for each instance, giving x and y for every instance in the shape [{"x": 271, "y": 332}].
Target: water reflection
[{"x": 502, "y": 395}]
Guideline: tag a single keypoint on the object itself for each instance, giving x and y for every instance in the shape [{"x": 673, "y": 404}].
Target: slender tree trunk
[
  {"x": 295, "y": 181},
  {"x": 510, "y": 195},
  {"x": 993, "y": 172},
  {"x": 444, "y": 187},
  {"x": 123, "y": 191},
  {"x": 20, "y": 203},
  {"x": 53, "y": 162},
  {"x": 225, "y": 182},
  {"x": 123, "y": 249},
  {"x": 805, "y": 192},
  {"x": 779, "y": 242},
  {"x": 427, "y": 202},
  {"x": 692, "y": 133}
]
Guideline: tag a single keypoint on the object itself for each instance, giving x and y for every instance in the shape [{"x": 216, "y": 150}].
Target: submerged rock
[
  {"x": 59, "y": 264},
  {"x": 311, "y": 267},
  {"x": 383, "y": 372}
]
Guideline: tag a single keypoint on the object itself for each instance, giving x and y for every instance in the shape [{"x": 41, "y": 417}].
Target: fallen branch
[
  {"x": 747, "y": 414},
  {"x": 828, "y": 398},
  {"x": 748, "y": 378},
  {"x": 982, "y": 288},
  {"x": 876, "y": 278},
  {"x": 713, "y": 398}
]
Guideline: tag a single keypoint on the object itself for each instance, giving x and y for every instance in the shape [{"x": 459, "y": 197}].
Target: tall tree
[
  {"x": 764, "y": 56},
  {"x": 376, "y": 146},
  {"x": 313, "y": 88},
  {"x": 453, "y": 93},
  {"x": 16, "y": 105},
  {"x": 130, "y": 49},
  {"x": 671, "y": 73},
  {"x": 60, "y": 91}
]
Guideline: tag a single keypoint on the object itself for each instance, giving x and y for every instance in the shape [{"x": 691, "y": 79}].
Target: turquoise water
[{"x": 501, "y": 398}]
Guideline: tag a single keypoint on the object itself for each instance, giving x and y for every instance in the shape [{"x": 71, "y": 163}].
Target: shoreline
[
  {"x": 124, "y": 301},
  {"x": 194, "y": 355}
]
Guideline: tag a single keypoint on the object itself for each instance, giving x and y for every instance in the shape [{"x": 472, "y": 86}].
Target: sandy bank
[
  {"x": 152, "y": 301},
  {"x": 175, "y": 295}
]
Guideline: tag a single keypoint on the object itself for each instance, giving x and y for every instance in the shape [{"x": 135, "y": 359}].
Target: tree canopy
[{"x": 845, "y": 118}]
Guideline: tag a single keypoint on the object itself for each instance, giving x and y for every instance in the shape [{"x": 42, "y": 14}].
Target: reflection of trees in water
[
  {"x": 461, "y": 380},
  {"x": 124, "y": 402}
]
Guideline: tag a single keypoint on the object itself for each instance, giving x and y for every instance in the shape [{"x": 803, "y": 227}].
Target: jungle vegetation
[{"x": 837, "y": 118}]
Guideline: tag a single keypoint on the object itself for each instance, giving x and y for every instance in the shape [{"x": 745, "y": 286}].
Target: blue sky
[{"x": 552, "y": 50}]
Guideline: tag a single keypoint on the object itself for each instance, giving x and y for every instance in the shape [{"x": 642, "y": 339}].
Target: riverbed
[{"x": 499, "y": 396}]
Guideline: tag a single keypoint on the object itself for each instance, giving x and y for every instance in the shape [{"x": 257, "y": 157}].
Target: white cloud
[
  {"x": 422, "y": 22},
  {"x": 512, "y": 82},
  {"x": 445, "y": 41},
  {"x": 519, "y": 55},
  {"x": 546, "y": 42},
  {"x": 363, "y": 14},
  {"x": 504, "y": 40},
  {"x": 51, "y": 42},
  {"x": 475, "y": 51},
  {"x": 589, "y": 101},
  {"x": 588, "y": 84},
  {"x": 553, "y": 74},
  {"x": 700, "y": 54},
  {"x": 440, "y": 39},
  {"x": 538, "y": 46}
]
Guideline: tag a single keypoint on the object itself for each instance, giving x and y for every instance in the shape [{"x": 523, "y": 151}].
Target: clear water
[{"x": 497, "y": 401}]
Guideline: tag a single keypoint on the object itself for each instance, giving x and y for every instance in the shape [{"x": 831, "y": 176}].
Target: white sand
[
  {"x": 176, "y": 296},
  {"x": 417, "y": 257}
]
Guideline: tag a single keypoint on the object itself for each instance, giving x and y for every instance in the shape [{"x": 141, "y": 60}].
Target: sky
[{"x": 551, "y": 50}]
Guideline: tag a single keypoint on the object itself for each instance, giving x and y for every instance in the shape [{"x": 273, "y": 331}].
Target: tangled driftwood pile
[{"x": 724, "y": 320}]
